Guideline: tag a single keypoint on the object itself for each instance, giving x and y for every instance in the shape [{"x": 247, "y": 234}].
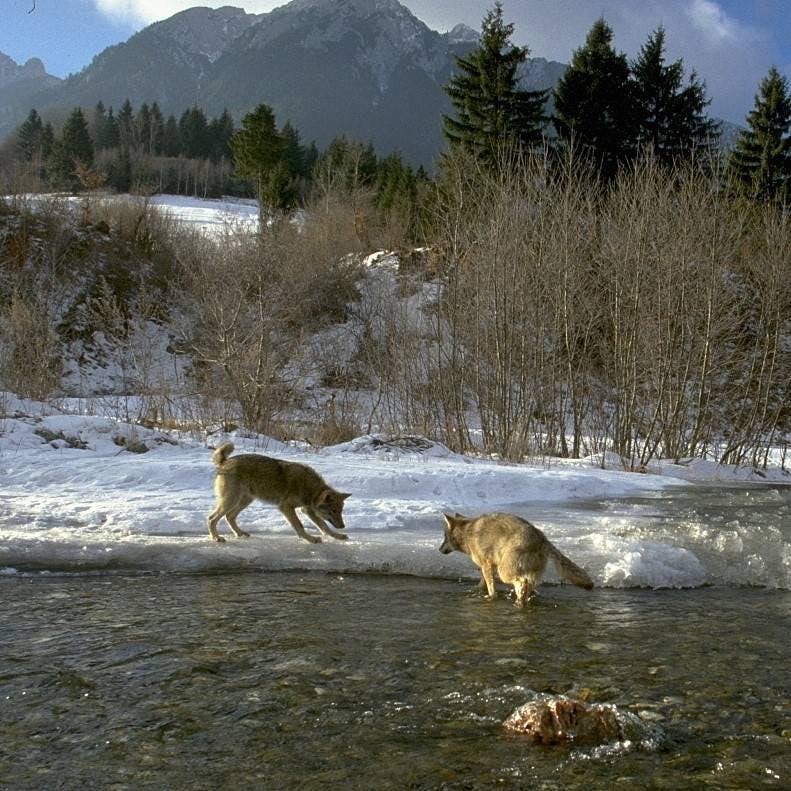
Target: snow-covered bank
[{"x": 76, "y": 497}]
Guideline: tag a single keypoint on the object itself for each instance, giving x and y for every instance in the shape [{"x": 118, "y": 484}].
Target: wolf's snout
[
  {"x": 445, "y": 547},
  {"x": 337, "y": 522}
]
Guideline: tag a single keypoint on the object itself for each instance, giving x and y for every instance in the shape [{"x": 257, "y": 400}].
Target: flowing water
[{"x": 303, "y": 679}]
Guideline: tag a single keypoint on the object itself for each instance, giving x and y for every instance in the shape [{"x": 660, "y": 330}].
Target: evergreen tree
[
  {"x": 669, "y": 118},
  {"x": 157, "y": 130},
  {"x": 126, "y": 125},
  {"x": 257, "y": 150},
  {"x": 395, "y": 183},
  {"x": 310, "y": 156},
  {"x": 47, "y": 140},
  {"x": 60, "y": 168},
  {"x": 491, "y": 110},
  {"x": 119, "y": 172},
  {"x": 171, "y": 138},
  {"x": 293, "y": 153},
  {"x": 346, "y": 165},
  {"x": 279, "y": 190},
  {"x": 29, "y": 136},
  {"x": 593, "y": 102},
  {"x": 143, "y": 128},
  {"x": 220, "y": 133},
  {"x": 193, "y": 133},
  {"x": 760, "y": 163},
  {"x": 112, "y": 134},
  {"x": 99, "y": 126},
  {"x": 76, "y": 139}
]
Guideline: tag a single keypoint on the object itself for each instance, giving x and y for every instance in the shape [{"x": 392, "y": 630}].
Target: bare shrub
[
  {"x": 30, "y": 361},
  {"x": 248, "y": 303}
]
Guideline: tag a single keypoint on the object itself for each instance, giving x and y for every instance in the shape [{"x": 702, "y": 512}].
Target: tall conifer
[
  {"x": 760, "y": 163},
  {"x": 670, "y": 117},
  {"x": 491, "y": 109},
  {"x": 593, "y": 101}
]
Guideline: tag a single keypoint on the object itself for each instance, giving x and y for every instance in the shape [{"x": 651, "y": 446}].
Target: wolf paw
[
  {"x": 313, "y": 539},
  {"x": 218, "y": 539},
  {"x": 341, "y": 537}
]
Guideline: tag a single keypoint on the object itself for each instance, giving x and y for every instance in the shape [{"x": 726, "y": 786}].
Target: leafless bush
[
  {"x": 248, "y": 304},
  {"x": 649, "y": 319},
  {"x": 30, "y": 363}
]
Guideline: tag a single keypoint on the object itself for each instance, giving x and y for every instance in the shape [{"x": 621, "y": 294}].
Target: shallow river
[{"x": 309, "y": 680}]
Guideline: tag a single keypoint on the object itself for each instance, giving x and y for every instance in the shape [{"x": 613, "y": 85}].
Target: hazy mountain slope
[
  {"x": 366, "y": 68},
  {"x": 20, "y": 84}
]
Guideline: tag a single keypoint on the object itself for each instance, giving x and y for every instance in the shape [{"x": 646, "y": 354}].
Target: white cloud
[
  {"x": 148, "y": 11},
  {"x": 713, "y": 22}
]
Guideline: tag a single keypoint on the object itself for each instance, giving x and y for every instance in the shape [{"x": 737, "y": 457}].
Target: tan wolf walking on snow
[
  {"x": 510, "y": 547},
  {"x": 288, "y": 485}
]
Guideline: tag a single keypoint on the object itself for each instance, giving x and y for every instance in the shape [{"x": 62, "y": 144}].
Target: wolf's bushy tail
[
  {"x": 222, "y": 453},
  {"x": 569, "y": 570}
]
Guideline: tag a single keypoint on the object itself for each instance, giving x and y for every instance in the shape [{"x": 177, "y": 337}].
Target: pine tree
[
  {"x": 491, "y": 110},
  {"x": 669, "y": 118},
  {"x": 143, "y": 128},
  {"x": 28, "y": 137},
  {"x": 257, "y": 150},
  {"x": 193, "y": 132},
  {"x": 593, "y": 102},
  {"x": 395, "y": 183},
  {"x": 157, "y": 130},
  {"x": 76, "y": 139},
  {"x": 293, "y": 153},
  {"x": 346, "y": 165},
  {"x": 220, "y": 133},
  {"x": 171, "y": 138},
  {"x": 112, "y": 135},
  {"x": 760, "y": 163},
  {"x": 47, "y": 140},
  {"x": 99, "y": 126},
  {"x": 126, "y": 125}
]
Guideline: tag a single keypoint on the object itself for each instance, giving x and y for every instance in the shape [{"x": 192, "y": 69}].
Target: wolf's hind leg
[
  {"x": 230, "y": 517},
  {"x": 488, "y": 577},
  {"x": 214, "y": 518},
  {"x": 323, "y": 526},
  {"x": 290, "y": 514}
]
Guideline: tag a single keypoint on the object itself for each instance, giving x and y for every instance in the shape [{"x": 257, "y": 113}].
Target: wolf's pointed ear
[
  {"x": 325, "y": 496},
  {"x": 449, "y": 520},
  {"x": 461, "y": 516},
  {"x": 345, "y": 495}
]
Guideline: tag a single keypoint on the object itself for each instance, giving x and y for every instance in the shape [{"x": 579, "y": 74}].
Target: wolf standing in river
[
  {"x": 510, "y": 547},
  {"x": 288, "y": 485}
]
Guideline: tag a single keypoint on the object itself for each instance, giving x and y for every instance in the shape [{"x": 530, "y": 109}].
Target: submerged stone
[{"x": 560, "y": 720}]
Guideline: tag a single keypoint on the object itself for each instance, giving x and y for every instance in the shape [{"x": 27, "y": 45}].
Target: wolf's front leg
[
  {"x": 293, "y": 520},
  {"x": 324, "y": 527}
]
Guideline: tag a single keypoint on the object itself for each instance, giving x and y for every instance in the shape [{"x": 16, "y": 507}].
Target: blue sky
[{"x": 730, "y": 43}]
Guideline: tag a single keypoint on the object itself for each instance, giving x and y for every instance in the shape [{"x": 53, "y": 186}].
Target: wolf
[
  {"x": 510, "y": 547},
  {"x": 288, "y": 485}
]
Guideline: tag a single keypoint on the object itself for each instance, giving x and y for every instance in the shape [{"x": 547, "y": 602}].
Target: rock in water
[{"x": 560, "y": 720}]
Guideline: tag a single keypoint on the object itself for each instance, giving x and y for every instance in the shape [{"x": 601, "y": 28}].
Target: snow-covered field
[
  {"x": 209, "y": 216},
  {"x": 77, "y": 498}
]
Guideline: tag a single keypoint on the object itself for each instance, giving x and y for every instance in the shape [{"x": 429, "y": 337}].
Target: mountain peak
[
  {"x": 463, "y": 33},
  {"x": 359, "y": 6},
  {"x": 11, "y": 71},
  {"x": 206, "y": 31}
]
